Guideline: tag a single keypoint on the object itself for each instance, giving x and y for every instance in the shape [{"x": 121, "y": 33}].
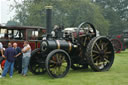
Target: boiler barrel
[{"x": 49, "y": 45}]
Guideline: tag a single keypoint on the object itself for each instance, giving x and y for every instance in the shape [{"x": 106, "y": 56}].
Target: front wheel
[{"x": 58, "y": 63}]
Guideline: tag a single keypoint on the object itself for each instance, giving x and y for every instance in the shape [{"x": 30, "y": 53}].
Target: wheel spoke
[
  {"x": 94, "y": 51},
  {"x": 63, "y": 66},
  {"x": 95, "y": 58},
  {"x": 55, "y": 70},
  {"x": 108, "y": 52},
  {"x": 106, "y": 56},
  {"x": 97, "y": 46},
  {"x": 105, "y": 45},
  {"x": 61, "y": 69},
  {"x": 104, "y": 63},
  {"x": 57, "y": 58},
  {"x": 96, "y": 63},
  {"x": 52, "y": 61},
  {"x": 105, "y": 50},
  {"x": 102, "y": 46},
  {"x": 94, "y": 55},
  {"x": 62, "y": 59},
  {"x": 107, "y": 60}
]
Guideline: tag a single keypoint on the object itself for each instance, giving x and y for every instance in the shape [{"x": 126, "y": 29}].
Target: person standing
[
  {"x": 26, "y": 57},
  {"x": 1, "y": 56},
  {"x": 10, "y": 54},
  {"x": 1, "y": 52},
  {"x": 18, "y": 62}
]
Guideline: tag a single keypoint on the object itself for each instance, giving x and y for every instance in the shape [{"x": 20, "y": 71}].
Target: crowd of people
[{"x": 14, "y": 53}]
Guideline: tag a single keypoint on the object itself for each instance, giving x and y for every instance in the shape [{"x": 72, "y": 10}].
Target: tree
[
  {"x": 65, "y": 12},
  {"x": 116, "y": 11},
  {"x": 119, "y": 6},
  {"x": 12, "y": 23}
]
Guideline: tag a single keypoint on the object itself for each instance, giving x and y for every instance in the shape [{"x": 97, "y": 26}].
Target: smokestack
[{"x": 49, "y": 19}]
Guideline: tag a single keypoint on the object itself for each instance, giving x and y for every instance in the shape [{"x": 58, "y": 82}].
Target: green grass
[{"x": 117, "y": 75}]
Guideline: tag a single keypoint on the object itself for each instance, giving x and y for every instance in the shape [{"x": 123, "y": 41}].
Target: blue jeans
[
  {"x": 8, "y": 66},
  {"x": 25, "y": 64}
]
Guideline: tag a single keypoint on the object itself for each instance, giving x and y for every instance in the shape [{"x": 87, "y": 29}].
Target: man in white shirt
[{"x": 26, "y": 57}]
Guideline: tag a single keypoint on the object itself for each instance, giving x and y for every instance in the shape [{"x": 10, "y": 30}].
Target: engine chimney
[{"x": 48, "y": 19}]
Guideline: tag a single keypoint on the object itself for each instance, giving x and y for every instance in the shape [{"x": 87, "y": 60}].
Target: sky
[{"x": 5, "y": 12}]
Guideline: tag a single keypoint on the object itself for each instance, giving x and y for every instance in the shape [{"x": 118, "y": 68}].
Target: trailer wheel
[
  {"x": 100, "y": 54},
  {"x": 58, "y": 63}
]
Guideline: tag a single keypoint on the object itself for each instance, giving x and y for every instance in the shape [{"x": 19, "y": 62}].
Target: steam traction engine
[
  {"x": 77, "y": 48},
  {"x": 120, "y": 42}
]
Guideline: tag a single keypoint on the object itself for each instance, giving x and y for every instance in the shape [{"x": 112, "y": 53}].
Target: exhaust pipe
[{"x": 49, "y": 19}]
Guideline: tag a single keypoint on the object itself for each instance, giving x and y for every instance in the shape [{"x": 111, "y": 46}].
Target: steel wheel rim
[
  {"x": 57, "y": 68},
  {"x": 90, "y": 30},
  {"x": 102, "y": 55}
]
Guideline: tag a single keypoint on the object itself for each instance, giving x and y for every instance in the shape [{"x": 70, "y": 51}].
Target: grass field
[{"x": 117, "y": 75}]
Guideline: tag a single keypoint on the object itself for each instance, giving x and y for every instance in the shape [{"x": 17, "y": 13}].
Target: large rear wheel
[{"x": 100, "y": 54}]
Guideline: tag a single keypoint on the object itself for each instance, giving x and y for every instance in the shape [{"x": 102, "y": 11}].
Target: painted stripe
[
  {"x": 70, "y": 46},
  {"x": 58, "y": 44}
]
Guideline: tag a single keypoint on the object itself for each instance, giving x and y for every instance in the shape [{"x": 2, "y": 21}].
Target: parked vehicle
[
  {"x": 120, "y": 42},
  {"x": 75, "y": 48},
  {"x": 19, "y": 34}
]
